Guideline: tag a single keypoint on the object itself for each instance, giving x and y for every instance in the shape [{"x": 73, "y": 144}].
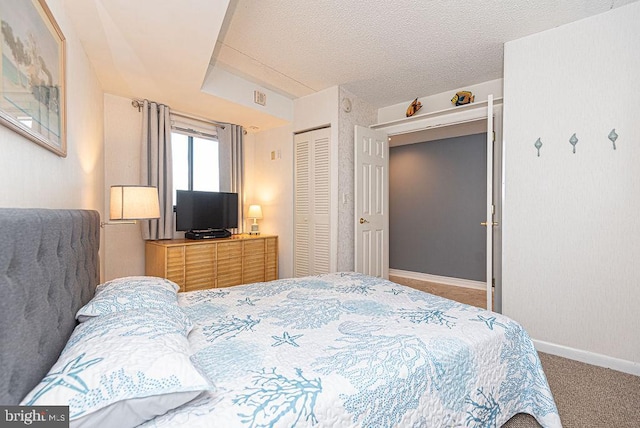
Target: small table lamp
[{"x": 255, "y": 212}]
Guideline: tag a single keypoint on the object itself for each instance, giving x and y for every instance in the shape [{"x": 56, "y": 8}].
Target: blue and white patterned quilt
[{"x": 348, "y": 350}]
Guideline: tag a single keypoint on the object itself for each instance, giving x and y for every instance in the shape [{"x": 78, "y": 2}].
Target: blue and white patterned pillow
[
  {"x": 126, "y": 366},
  {"x": 132, "y": 292}
]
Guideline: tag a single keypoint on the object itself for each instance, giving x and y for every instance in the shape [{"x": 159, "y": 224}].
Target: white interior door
[
  {"x": 371, "y": 202},
  {"x": 489, "y": 223}
]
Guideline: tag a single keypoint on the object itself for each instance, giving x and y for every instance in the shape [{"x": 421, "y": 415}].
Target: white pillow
[
  {"x": 123, "y": 368},
  {"x": 131, "y": 292}
]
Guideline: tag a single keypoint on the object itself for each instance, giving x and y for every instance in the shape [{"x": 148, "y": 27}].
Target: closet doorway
[{"x": 453, "y": 125}]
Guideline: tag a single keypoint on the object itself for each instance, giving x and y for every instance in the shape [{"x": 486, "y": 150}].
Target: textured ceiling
[{"x": 385, "y": 52}]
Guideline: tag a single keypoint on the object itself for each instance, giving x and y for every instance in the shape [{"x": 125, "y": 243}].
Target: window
[{"x": 195, "y": 163}]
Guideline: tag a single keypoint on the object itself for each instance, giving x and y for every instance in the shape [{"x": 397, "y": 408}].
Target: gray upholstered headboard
[{"x": 49, "y": 268}]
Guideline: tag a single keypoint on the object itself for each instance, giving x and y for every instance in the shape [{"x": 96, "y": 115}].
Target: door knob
[
  {"x": 493, "y": 223},
  {"x": 363, "y": 221}
]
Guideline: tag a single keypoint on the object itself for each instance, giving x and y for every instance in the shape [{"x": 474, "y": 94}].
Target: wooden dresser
[{"x": 213, "y": 263}]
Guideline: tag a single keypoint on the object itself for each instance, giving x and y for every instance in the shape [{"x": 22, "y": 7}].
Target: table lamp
[{"x": 255, "y": 212}]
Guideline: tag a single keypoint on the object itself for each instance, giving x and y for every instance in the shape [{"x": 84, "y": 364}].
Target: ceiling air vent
[{"x": 260, "y": 98}]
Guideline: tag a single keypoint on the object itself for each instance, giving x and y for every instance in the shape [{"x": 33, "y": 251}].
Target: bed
[{"x": 336, "y": 350}]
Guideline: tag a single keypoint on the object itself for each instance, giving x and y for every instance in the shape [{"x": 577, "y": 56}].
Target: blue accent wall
[{"x": 437, "y": 199}]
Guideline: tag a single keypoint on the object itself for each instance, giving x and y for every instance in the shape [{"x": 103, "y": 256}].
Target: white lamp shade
[
  {"x": 134, "y": 203},
  {"x": 255, "y": 211}
]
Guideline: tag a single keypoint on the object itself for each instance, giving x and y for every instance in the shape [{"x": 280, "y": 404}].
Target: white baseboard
[
  {"x": 588, "y": 357},
  {"x": 458, "y": 282}
]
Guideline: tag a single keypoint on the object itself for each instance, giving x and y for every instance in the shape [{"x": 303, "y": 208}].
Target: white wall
[
  {"x": 571, "y": 230},
  {"x": 33, "y": 177},
  {"x": 316, "y": 110},
  {"x": 269, "y": 183},
  {"x": 362, "y": 114},
  {"x": 123, "y": 244}
]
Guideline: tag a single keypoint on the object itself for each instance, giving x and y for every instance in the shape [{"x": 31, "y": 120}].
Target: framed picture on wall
[{"x": 32, "y": 74}]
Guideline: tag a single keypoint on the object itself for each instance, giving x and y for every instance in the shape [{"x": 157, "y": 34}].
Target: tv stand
[{"x": 207, "y": 234}]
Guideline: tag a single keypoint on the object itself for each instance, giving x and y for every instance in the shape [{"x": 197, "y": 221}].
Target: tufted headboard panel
[{"x": 49, "y": 268}]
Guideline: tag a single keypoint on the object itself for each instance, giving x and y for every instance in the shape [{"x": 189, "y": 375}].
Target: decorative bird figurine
[{"x": 413, "y": 107}]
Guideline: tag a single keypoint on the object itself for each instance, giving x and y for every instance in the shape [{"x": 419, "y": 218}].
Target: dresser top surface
[{"x": 233, "y": 238}]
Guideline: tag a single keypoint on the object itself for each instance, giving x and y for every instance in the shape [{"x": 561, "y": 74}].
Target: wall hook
[
  {"x": 573, "y": 140},
  {"x": 538, "y": 144},
  {"x": 613, "y": 137}
]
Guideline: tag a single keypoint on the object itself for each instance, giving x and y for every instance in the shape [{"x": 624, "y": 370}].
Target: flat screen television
[{"x": 206, "y": 214}]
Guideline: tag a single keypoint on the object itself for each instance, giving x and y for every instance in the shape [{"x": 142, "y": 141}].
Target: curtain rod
[
  {"x": 193, "y": 131},
  {"x": 138, "y": 104}
]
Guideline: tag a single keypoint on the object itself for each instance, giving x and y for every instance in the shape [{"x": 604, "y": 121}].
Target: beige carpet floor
[{"x": 588, "y": 396}]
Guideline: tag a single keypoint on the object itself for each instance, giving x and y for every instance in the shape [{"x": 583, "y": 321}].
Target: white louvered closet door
[{"x": 312, "y": 202}]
